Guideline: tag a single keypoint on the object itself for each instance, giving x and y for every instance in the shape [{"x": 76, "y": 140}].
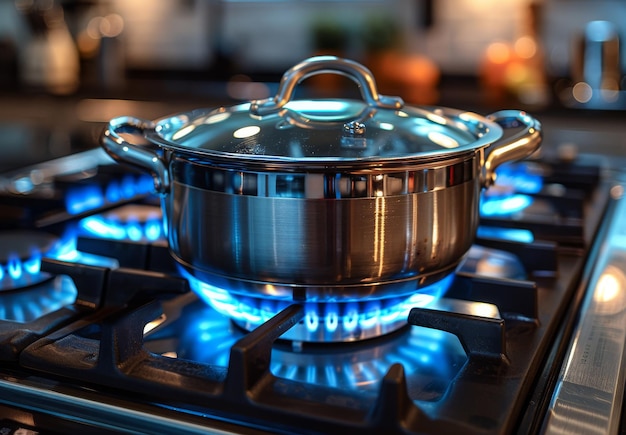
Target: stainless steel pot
[{"x": 322, "y": 200}]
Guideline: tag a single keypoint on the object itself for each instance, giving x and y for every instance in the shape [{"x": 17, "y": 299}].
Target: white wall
[
  {"x": 464, "y": 28},
  {"x": 274, "y": 34},
  {"x": 165, "y": 32},
  {"x": 278, "y": 33}
]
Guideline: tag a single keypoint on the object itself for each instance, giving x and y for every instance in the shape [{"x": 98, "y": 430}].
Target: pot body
[
  {"x": 321, "y": 201},
  {"x": 322, "y": 236}
]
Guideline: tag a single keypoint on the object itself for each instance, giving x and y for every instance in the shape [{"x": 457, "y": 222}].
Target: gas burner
[
  {"x": 512, "y": 192},
  {"x": 323, "y": 321},
  {"x": 353, "y": 320},
  {"x": 90, "y": 196},
  {"x": 510, "y": 234},
  {"x": 26, "y": 292},
  {"x": 31, "y": 303},
  {"x": 481, "y": 261},
  {"x": 524, "y": 177},
  {"x": 432, "y": 358},
  {"x": 20, "y": 257},
  {"x": 504, "y": 205},
  {"x": 136, "y": 222}
]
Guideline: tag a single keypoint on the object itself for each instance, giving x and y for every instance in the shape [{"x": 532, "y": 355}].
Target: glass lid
[{"x": 279, "y": 128}]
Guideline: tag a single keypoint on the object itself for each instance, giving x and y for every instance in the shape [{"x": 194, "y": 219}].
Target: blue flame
[
  {"x": 327, "y": 316},
  {"x": 72, "y": 255},
  {"x": 154, "y": 229},
  {"x": 510, "y": 234},
  {"x": 81, "y": 199},
  {"x": 18, "y": 272},
  {"x": 112, "y": 192},
  {"x": 111, "y": 228},
  {"x": 33, "y": 264},
  {"x": 97, "y": 226},
  {"x": 504, "y": 206},
  {"x": 520, "y": 177},
  {"x": 14, "y": 268}
]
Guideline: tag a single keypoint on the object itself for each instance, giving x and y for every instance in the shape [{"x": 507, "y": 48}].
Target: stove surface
[{"x": 99, "y": 329}]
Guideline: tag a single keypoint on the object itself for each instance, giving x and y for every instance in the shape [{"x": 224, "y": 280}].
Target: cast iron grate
[
  {"x": 97, "y": 287},
  {"x": 246, "y": 389},
  {"x": 105, "y": 348}
]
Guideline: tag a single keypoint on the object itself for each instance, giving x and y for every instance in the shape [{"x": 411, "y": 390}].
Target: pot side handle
[
  {"x": 516, "y": 147},
  {"x": 136, "y": 155}
]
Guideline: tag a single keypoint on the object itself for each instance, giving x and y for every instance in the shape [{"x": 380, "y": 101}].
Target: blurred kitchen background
[{"x": 66, "y": 67}]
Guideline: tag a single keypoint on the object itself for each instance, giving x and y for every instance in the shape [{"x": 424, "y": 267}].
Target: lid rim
[{"x": 486, "y": 132}]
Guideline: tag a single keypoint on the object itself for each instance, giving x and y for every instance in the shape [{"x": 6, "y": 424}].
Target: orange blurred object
[
  {"x": 513, "y": 70},
  {"x": 410, "y": 76},
  {"x": 516, "y": 69}
]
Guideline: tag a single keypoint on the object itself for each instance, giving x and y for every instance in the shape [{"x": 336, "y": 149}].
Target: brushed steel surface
[
  {"x": 104, "y": 413},
  {"x": 589, "y": 392},
  {"x": 344, "y": 248}
]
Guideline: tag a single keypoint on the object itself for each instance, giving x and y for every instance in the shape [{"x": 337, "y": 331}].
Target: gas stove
[{"x": 101, "y": 331}]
